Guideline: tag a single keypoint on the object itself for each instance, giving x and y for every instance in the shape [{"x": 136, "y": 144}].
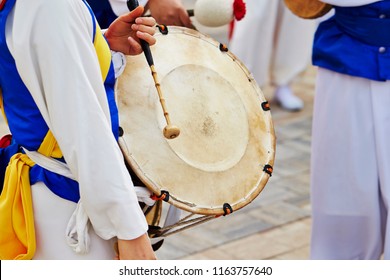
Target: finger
[
  {"x": 134, "y": 46},
  {"x": 133, "y": 15},
  {"x": 149, "y": 21},
  {"x": 185, "y": 19},
  {"x": 143, "y": 28},
  {"x": 151, "y": 40}
]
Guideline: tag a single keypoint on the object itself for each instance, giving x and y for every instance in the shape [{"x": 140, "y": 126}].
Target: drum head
[{"x": 226, "y": 137}]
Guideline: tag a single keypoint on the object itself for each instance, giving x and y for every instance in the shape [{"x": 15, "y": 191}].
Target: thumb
[{"x": 132, "y": 15}]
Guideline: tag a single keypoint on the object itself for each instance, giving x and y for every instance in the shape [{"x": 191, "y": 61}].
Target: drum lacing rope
[
  {"x": 268, "y": 169},
  {"x": 163, "y": 196},
  {"x": 223, "y": 47},
  {"x": 163, "y": 29},
  {"x": 227, "y": 209},
  {"x": 121, "y": 132},
  {"x": 265, "y": 105}
]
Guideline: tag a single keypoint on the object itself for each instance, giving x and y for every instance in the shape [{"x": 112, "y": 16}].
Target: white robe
[
  {"x": 350, "y": 182},
  {"x": 273, "y": 44},
  {"x": 51, "y": 42}
]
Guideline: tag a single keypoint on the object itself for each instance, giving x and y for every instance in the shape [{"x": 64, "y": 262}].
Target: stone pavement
[{"x": 276, "y": 225}]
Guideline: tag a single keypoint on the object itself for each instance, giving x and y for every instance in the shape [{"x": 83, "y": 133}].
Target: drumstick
[{"x": 170, "y": 131}]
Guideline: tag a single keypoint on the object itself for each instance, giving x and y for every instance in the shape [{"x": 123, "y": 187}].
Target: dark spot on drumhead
[{"x": 209, "y": 126}]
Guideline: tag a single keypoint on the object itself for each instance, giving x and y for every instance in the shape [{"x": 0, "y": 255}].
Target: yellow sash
[
  {"x": 103, "y": 52},
  {"x": 17, "y": 239}
]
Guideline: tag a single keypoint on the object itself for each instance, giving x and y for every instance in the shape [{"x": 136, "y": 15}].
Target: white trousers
[
  {"x": 51, "y": 216},
  {"x": 273, "y": 44},
  {"x": 350, "y": 184}
]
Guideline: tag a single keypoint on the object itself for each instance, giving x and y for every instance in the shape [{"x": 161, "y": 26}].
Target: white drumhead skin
[{"x": 226, "y": 138}]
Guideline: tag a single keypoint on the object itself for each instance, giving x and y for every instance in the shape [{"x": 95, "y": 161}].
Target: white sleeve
[
  {"x": 120, "y": 7},
  {"x": 59, "y": 66},
  {"x": 350, "y": 3}
]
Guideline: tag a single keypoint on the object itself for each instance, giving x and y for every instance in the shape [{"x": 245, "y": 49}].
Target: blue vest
[
  {"x": 103, "y": 12},
  {"x": 356, "y": 41},
  {"x": 26, "y": 123}
]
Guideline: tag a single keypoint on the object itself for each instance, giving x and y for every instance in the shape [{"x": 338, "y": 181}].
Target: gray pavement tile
[{"x": 279, "y": 213}]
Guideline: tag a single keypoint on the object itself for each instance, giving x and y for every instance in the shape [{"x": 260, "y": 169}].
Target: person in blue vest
[
  {"x": 68, "y": 193},
  {"x": 103, "y": 12},
  {"x": 168, "y": 12},
  {"x": 350, "y": 183}
]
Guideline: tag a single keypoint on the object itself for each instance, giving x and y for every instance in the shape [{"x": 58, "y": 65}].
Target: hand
[
  {"x": 170, "y": 12},
  {"x": 136, "y": 249},
  {"x": 124, "y": 34}
]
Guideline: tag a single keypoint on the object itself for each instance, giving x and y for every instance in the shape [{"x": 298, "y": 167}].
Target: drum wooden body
[
  {"x": 225, "y": 151},
  {"x": 308, "y": 9}
]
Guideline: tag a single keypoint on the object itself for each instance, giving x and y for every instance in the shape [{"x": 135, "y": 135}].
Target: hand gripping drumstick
[{"x": 170, "y": 131}]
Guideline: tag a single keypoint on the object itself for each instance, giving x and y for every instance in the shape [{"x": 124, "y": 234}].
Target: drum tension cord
[
  {"x": 265, "y": 106},
  {"x": 163, "y": 196},
  {"x": 227, "y": 209},
  {"x": 163, "y": 29},
  {"x": 120, "y": 131},
  {"x": 223, "y": 47},
  {"x": 268, "y": 169}
]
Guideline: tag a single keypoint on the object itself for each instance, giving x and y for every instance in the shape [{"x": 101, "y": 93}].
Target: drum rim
[{"x": 191, "y": 207}]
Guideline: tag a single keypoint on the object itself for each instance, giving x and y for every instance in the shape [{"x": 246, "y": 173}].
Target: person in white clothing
[
  {"x": 350, "y": 178},
  {"x": 278, "y": 49},
  {"x": 56, "y": 78}
]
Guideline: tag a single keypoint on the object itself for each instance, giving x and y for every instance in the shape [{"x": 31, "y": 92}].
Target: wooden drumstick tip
[{"x": 171, "y": 131}]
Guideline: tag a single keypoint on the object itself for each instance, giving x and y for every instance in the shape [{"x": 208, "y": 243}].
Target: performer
[
  {"x": 57, "y": 80},
  {"x": 278, "y": 51},
  {"x": 350, "y": 182},
  {"x": 168, "y": 12},
  {"x": 103, "y": 12}
]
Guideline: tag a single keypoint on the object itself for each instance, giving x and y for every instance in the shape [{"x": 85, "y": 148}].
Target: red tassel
[
  {"x": 2, "y": 4},
  {"x": 239, "y": 9},
  {"x": 231, "y": 28},
  {"x": 5, "y": 141}
]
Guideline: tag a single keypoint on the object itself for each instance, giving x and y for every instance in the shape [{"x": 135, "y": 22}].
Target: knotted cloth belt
[{"x": 17, "y": 239}]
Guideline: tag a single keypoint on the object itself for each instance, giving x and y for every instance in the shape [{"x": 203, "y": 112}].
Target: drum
[
  {"x": 308, "y": 9},
  {"x": 224, "y": 155}
]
